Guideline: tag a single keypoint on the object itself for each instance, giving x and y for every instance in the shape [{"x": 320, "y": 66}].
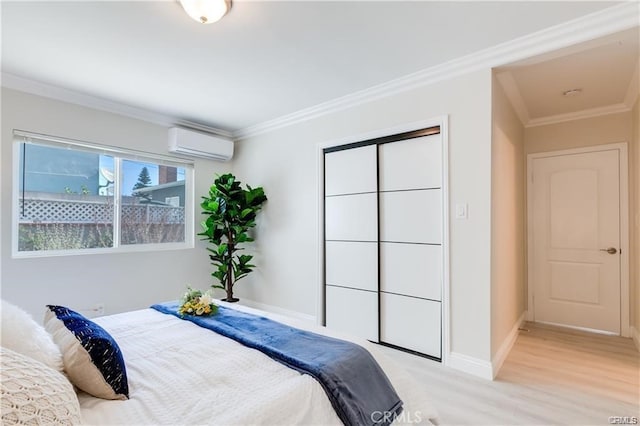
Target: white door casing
[{"x": 577, "y": 211}]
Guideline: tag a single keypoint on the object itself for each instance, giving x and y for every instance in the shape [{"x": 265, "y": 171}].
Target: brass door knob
[{"x": 610, "y": 250}]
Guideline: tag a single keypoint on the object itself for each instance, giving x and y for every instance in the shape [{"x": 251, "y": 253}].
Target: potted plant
[{"x": 231, "y": 212}]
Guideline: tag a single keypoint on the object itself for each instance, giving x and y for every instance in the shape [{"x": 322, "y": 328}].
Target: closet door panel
[
  {"x": 411, "y": 323},
  {"x": 350, "y": 171},
  {"x": 411, "y": 216},
  {"x": 352, "y": 217},
  {"x": 411, "y": 164},
  {"x": 352, "y": 311},
  {"x": 411, "y": 270},
  {"x": 352, "y": 264}
]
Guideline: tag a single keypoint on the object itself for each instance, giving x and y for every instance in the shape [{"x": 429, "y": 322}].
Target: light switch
[{"x": 462, "y": 211}]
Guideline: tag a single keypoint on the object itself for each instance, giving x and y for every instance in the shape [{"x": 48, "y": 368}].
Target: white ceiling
[
  {"x": 264, "y": 60},
  {"x": 605, "y": 70}
]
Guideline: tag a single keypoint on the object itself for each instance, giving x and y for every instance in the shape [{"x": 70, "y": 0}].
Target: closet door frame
[{"x": 365, "y": 139}]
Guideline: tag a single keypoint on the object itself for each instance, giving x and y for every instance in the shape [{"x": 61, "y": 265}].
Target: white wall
[
  {"x": 612, "y": 128},
  {"x": 284, "y": 161},
  {"x": 121, "y": 281},
  {"x": 507, "y": 221}
]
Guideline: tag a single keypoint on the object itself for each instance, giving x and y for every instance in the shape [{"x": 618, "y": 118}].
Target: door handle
[{"x": 610, "y": 250}]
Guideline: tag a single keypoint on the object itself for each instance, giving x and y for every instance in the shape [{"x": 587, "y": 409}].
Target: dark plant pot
[{"x": 230, "y": 300}]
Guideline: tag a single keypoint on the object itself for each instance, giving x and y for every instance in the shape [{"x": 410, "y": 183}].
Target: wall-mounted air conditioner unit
[{"x": 189, "y": 142}]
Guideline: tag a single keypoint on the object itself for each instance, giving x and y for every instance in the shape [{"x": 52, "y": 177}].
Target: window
[{"x": 72, "y": 196}]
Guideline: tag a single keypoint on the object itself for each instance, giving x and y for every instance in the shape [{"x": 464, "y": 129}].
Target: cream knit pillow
[{"x": 33, "y": 393}]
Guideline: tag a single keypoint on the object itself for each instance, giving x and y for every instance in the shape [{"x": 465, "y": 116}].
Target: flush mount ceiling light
[
  {"x": 206, "y": 11},
  {"x": 571, "y": 92}
]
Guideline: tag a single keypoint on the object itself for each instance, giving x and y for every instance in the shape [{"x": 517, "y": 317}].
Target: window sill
[{"x": 137, "y": 248}]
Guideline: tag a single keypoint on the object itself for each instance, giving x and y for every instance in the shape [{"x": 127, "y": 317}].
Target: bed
[{"x": 181, "y": 373}]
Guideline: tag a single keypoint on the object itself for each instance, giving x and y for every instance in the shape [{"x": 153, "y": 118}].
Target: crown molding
[
  {"x": 579, "y": 115},
  {"x": 22, "y": 84},
  {"x": 591, "y": 26}
]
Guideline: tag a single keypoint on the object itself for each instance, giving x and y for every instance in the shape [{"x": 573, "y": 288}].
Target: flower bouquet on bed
[{"x": 196, "y": 302}]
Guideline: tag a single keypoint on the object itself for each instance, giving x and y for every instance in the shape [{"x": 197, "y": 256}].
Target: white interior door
[{"x": 575, "y": 233}]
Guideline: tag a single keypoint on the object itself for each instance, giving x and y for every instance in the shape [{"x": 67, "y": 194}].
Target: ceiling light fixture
[
  {"x": 571, "y": 92},
  {"x": 206, "y": 11}
]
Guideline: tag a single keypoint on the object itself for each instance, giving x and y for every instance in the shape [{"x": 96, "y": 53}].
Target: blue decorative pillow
[{"x": 92, "y": 359}]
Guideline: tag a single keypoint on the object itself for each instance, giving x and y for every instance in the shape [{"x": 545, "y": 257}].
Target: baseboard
[
  {"x": 470, "y": 365},
  {"x": 278, "y": 310},
  {"x": 505, "y": 347},
  {"x": 635, "y": 335}
]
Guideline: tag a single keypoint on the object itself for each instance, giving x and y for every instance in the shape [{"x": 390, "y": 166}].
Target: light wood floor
[{"x": 552, "y": 376}]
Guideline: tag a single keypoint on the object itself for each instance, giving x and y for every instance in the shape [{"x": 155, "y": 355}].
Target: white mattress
[{"x": 180, "y": 373}]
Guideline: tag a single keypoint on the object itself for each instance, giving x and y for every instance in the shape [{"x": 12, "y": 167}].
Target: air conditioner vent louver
[{"x": 196, "y": 144}]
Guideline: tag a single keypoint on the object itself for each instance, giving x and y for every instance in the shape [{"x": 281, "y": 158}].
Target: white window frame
[{"x": 119, "y": 154}]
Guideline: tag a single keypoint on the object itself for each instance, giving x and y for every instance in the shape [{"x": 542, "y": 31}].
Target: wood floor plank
[{"x": 552, "y": 376}]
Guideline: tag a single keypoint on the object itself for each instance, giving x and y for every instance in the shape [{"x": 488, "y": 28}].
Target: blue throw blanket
[{"x": 358, "y": 389}]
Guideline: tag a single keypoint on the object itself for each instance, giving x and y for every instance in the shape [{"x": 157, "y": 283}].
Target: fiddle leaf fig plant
[{"x": 231, "y": 212}]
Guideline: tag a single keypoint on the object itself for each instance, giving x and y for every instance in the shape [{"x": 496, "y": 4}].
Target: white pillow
[
  {"x": 33, "y": 393},
  {"x": 22, "y": 334}
]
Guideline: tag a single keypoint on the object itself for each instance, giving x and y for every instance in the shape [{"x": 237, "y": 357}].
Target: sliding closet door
[
  {"x": 410, "y": 211},
  {"x": 351, "y": 241}
]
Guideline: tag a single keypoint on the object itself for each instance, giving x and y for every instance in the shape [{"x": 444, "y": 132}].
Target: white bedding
[{"x": 180, "y": 373}]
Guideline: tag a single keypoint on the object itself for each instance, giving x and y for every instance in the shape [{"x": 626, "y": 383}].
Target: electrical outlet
[{"x": 99, "y": 309}]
